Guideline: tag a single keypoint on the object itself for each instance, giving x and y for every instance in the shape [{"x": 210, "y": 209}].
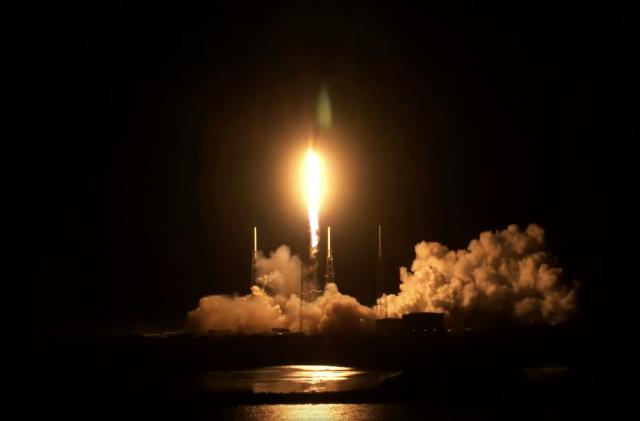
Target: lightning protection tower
[{"x": 330, "y": 275}]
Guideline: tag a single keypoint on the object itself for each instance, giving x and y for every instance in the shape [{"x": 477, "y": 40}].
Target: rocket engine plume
[{"x": 313, "y": 195}]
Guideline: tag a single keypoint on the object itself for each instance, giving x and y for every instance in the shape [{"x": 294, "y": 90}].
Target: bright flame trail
[{"x": 313, "y": 195}]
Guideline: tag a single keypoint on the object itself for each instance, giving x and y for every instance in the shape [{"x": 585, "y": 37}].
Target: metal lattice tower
[
  {"x": 382, "y": 309},
  {"x": 254, "y": 258},
  {"x": 330, "y": 274}
]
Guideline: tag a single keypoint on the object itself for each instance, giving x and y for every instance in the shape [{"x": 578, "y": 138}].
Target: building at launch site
[{"x": 412, "y": 324}]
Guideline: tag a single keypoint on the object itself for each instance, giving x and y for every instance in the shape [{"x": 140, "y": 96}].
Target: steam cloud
[
  {"x": 274, "y": 303},
  {"x": 501, "y": 275}
]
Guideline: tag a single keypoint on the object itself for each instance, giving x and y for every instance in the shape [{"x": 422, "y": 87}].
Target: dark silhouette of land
[{"x": 560, "y": 371}]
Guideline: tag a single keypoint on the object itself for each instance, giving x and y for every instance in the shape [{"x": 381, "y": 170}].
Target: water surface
[
  {"x": 294, "y": 379},
  {"x": 322, "y": 412}
]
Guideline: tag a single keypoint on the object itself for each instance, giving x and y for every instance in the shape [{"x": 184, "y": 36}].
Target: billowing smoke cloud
[
  {"x": 275, "y": 303},
  {"x": 501, "y": 275},
  {"x": 280, "y": 272}
]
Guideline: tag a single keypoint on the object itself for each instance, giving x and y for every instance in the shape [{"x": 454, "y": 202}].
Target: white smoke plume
[
  {"x": 275, "y": 303},
  {"x": 501, "y": 275}
]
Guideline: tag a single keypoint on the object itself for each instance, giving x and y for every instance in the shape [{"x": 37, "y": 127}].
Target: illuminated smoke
[
  {"x": 501, "y": 275},
  {"x": 275, "y": 303}
]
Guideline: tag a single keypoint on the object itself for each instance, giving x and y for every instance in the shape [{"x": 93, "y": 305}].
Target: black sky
[{"x": 152, "y": 138}]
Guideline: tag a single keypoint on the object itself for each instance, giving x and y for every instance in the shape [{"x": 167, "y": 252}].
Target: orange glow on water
[
  {"x": 323, "y": 373},
  {"x": 295, "y": 379}
]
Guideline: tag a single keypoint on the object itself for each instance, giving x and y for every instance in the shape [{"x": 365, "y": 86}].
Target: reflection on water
[
  {"x": 317, "y": 412},
  {"x": 294, "y": 378}
]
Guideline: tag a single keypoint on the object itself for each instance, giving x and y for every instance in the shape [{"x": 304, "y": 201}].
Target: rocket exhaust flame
[{"x": 313, "y": 191}]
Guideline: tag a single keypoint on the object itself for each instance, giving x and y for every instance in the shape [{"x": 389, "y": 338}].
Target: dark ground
[{"x": 475, "y": 373}]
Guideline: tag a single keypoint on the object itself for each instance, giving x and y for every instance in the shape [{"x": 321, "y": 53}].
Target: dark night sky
[{"x": 153, "y": 138}]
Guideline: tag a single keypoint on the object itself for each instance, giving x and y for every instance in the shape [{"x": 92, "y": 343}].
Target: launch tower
[
  {"x": 330, "y": 275},
  {"x": 254, "y": 257},
  {"x": 380, "y": 287}
]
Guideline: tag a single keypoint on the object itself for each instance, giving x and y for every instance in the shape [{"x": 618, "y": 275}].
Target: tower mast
[
  {"x": 330, "y": 275},
  {"x": 254, "y": 257},
  {"x": 380, "y": 284}
]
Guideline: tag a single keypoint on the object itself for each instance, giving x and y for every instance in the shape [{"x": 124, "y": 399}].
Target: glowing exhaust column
[
  {"x": 313, "y": 191},
  {"x": 313, "y": 195}
]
